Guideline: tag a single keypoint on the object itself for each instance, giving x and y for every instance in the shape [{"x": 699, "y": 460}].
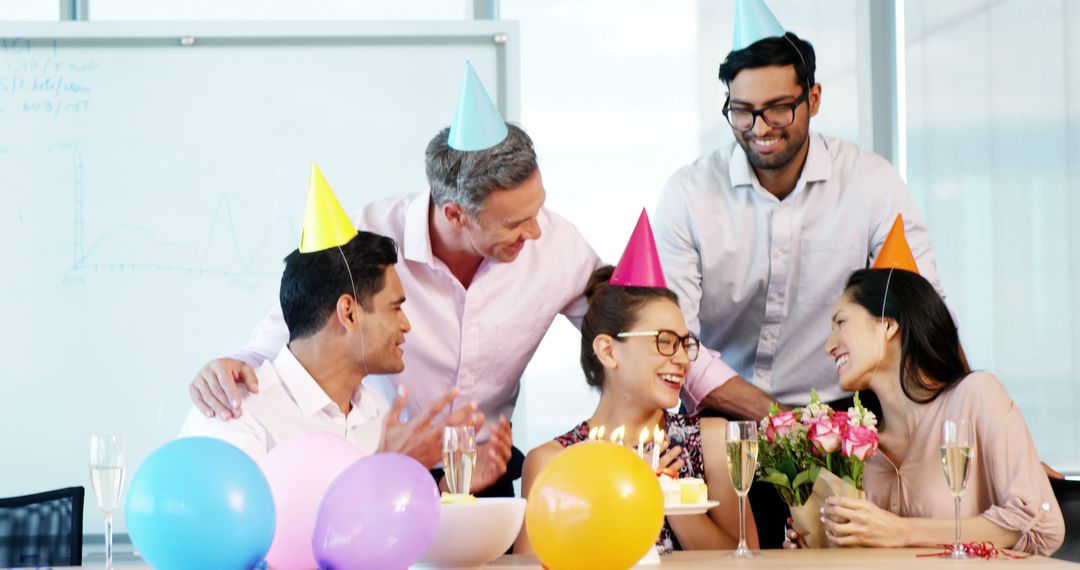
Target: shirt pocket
[{"x": 824, "y": 268}]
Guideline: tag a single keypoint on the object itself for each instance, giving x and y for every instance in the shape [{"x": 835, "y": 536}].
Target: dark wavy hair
[
  {"x": 931, "y": 358},
  {"x": 786, "y": 50},
  {"x": 312, "y": 282},
  {"x": 612, "y": 309}
]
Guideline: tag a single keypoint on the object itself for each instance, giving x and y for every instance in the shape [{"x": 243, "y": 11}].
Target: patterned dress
[{"x": 681, "y": 430}]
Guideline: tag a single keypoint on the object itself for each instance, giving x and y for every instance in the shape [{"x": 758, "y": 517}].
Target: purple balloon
[{"x": 380, "y": 513}]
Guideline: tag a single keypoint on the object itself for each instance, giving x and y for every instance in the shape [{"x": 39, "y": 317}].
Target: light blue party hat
[
  {"x": 753, "y": 22},
  {"x": 477, "y": 123}
]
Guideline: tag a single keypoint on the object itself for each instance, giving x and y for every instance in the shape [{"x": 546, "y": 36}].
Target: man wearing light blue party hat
[
  {"x": 482, "y": 287},
  {"x": 758, "y": 237}
]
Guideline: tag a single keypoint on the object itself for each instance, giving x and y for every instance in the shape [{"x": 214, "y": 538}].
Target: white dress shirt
[
  {"x": 757, "y": 276},
  {"x": 479, "y": 339},
  {"x": 289, "y": 402}
]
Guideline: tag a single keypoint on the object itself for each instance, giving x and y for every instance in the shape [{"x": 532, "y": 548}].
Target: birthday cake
[
  {"x": 684, "y": 491},
  {"x": 457, "y": 499}
]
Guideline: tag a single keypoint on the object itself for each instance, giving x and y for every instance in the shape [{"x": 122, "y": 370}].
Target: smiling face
[
  {"x": 508, "y": 219},
  {"x": 858, "y": 343},
  {"x": 643, "y": 373},
  {"x": 384, "y": 328},
  {"x": 770, "y": 148}
]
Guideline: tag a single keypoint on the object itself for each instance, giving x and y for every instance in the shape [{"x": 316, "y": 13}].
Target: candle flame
[
  {"x": 644, "y": 436},
  {"x": 658, "y": 435},
  {"x": 600, "y": 433},
  {"x": 617, "y": 434},
  {"x": 592, "y": 433}
]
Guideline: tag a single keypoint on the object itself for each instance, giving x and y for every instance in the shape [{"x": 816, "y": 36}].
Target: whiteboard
[{"x": 153, "y": 177}]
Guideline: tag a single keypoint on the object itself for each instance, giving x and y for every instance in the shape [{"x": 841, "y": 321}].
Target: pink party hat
[{"x": 639, "y": 265}]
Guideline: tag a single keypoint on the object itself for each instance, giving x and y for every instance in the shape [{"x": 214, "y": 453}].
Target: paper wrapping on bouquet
[{"x": 806, "y": 518}]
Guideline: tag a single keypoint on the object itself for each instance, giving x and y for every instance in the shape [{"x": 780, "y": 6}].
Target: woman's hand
[
  {"x": 851, "y": 522},
  {"x": 670, "y": 460},
  {"x": 791, "y": 537}
]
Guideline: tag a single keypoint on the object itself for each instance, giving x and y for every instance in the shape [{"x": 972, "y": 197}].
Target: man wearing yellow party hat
[
  {"x": 341, "y": 300},
  {"x": 759, "y": 236}
]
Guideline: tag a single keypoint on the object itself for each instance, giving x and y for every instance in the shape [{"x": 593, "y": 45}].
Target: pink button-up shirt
[{"x": 481, "y": 338}]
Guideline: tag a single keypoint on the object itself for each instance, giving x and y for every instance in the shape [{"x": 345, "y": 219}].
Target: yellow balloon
[{"x": 595, "y": 506}]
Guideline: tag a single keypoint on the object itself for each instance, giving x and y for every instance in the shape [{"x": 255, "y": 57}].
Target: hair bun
[{"x": 598, "y": 281}]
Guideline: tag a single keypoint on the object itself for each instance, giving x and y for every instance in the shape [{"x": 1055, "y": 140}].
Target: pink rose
[
  {"x": 841, "y": 419},
  {"x": 860, "y": 442},
  {"x": 780, "y": 426},
  {"x": 825, "y": 435}
]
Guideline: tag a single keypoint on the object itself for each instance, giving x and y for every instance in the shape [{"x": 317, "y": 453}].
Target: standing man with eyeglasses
[{"x": 759, "y": 236}]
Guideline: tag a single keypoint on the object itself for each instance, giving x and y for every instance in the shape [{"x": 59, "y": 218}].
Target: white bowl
[{"x": 470, "y": 536}]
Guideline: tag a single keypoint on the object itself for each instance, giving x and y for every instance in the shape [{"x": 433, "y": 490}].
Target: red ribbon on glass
[{"x": 985, "y": 550}]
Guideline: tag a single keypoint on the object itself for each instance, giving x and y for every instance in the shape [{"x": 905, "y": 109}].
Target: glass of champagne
[
  {"x": 459, "y": 458},
  {"x": 742, "y": 449},
  {"x": 107, "y": 459},
  {"x": 957, "y": 451}
]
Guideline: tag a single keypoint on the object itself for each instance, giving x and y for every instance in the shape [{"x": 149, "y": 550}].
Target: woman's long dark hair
[
  {"x": 612, "y": 309},
  {"x": 931, "y": 358}
]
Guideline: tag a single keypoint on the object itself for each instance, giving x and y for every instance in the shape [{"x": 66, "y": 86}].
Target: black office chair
[
  {"x": 44, "y": 529},
  {"x": 1068, "y": 497}
]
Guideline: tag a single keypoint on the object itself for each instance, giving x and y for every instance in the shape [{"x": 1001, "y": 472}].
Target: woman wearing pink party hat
[{"x": 636, "y": 350}]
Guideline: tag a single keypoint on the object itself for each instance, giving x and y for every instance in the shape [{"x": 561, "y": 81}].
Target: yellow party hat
[{"x": 326, "y": 224}]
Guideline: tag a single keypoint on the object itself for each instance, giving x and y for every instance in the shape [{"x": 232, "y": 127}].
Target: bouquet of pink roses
[{"x": 811, "y": 453}]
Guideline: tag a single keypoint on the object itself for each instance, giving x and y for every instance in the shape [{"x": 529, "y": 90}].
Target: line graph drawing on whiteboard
[{"x": 133, "y": 247}]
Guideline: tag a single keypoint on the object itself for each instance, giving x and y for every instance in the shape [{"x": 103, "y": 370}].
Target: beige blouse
[{"x": 1007, "y": 484}]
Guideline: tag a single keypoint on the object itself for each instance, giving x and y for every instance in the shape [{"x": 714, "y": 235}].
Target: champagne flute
[
  {"x": 742, "y": 449},
  {"x": 459, "y": 458},
  {"x": 957, "y": 451},
  {"x": 107, "y": 459}
]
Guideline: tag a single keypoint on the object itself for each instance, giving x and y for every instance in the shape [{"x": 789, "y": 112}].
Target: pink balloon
[{"x": 299, "y": 472}]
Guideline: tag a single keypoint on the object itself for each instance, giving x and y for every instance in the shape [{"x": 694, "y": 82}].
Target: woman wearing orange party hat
[
  {"x": 892, "y": 333},
  {"x": 636, "y": 350}
]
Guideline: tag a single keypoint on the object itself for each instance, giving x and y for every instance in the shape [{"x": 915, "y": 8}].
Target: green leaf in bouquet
[
  {"x": 777, "y": 478},
  {"x": 806, "y": 477},
  {"x": 787, "y": 467}
]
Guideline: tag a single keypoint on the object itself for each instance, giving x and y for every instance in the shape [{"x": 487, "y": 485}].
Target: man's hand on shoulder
[{"x": 215, "y": 389}]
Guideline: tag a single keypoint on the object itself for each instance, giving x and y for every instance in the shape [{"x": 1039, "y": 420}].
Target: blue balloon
[{"x": 201, "y": 503}]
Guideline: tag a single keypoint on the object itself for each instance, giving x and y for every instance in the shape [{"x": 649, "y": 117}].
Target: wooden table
[
  {"x": 863, "y": 558},
  {"x": 829, "y": 558}
]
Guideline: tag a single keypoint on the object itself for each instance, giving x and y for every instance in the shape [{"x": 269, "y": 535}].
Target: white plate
[{"x": 694, "y": 509}]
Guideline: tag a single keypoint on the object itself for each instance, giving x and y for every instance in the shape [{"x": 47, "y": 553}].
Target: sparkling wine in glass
[
  {"x": 107, "y": 460},
  {"x": 957, "y": 451},
  {"x": 459, "y": 458},
  {"x": 742, "y": 449}
]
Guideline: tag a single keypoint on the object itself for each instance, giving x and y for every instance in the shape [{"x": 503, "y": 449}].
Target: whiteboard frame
[{"x": 502, "y": 35}]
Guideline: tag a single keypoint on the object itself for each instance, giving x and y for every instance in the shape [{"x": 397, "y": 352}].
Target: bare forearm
[
  {"x": 935, "y": 532},
  {"x": 699, "y": 532},
  {"x": 739, "y": 399}
]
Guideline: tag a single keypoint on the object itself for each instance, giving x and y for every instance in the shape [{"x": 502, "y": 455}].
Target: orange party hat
[
  {"x": 639, "y": 265},
  {"x": 895, "y": 252}
]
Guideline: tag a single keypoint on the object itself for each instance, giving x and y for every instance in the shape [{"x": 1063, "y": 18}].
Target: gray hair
[{"x": 467, "y": 178}]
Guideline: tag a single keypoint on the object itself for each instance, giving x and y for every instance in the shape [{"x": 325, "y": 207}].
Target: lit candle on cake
[
  {"x": 592, "y": 433},
  {"x": 617, "y": 435},
  {"x": 641, "y": 442},
  {"x": 658, "y": 436}
]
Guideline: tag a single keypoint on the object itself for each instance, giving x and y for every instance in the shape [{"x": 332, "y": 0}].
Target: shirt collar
[
  {"x": 417, "y": 234},
  {"x": 818, "y": 166},
  {"x": 306, "y": 392}
]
